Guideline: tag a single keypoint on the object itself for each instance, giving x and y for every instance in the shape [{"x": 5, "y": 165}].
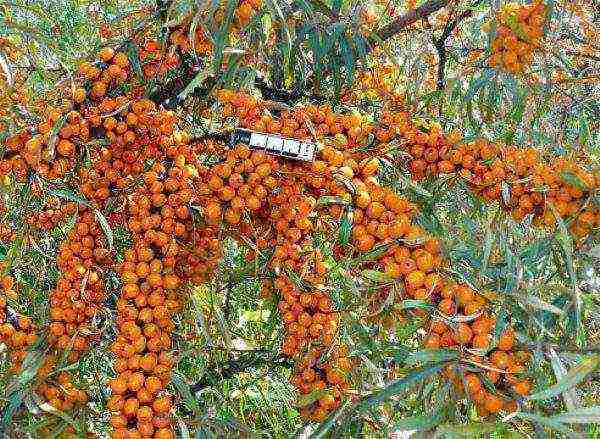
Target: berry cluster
[
  {"x": 518, "y": 32},
  {"x": 17, "y": 332},
  {"x": 518, "y": 178}
]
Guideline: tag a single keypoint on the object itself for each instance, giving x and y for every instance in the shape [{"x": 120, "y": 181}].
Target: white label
[
  {"x": 275, "y": 145},
  {"x": 307, "y": 151},
  {"x": 258, "y": 140}
]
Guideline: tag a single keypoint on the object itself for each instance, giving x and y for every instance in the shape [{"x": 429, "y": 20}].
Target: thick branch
[{"x": 407, "y": 19}]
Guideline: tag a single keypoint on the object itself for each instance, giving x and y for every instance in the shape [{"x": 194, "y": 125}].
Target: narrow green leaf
[
  {"x": 584, "y": 415},
  {"x": 345, "y": 227},
  {"x": 431, "y": 356},
  {"x": 575, "y": 376},
  {"x": 573, "y": 180},
  {"x": 565, "y": 242},
  {"x": 398, "y": 386},
  {"x": 472, "y": 430},
  {"x": 134, "y": 59},
  {"x": 196, "y": 82},
  {"x": 54, "y": 136},
  {"x": 420, "y": 423},
  {"x": 487, "y": 248},
  {"x": 478, "y": 84},
  {"x": 348, "y": 56},
  {"x": 570, "y": 396},
  {"x": 327, "y": 200},
  {"x": 376, "y": 276},
  {"x": 309, "y": 398},
  {"x": 110, "y": 239},
  {"x": 547, "y": 422},
  {"x": 68, "y": 194},
  {"x": 376, "y": 252},
  {"x": 416, "y": 304}
]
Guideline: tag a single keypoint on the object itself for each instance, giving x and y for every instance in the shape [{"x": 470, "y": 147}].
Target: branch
[
  {"x": 440, "y": 46},
  {"x": 233, "y": 367},
  {"x": 274, "y": 94},
  {"x": 407, "y": 19},
  {"x": 320, "y": 6}
]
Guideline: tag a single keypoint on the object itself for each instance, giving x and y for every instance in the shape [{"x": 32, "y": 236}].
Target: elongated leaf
[
  {"x": 547, "y": 422},
  {"x": 431, "y": 356},
  {"x": 194, "y": 83},
  {"x": 311, "y": 397},
  {"x": 348, "y": 56},
  {"x": 420, "y": 423},
  {"x": 184, "y": 390},
  {"x": 467, "y": 431},
  {"x": 398, "y": 386},
  {"x": 376, "y": 276},
  {"x": 584, "y": 415},
  {"x": 538, "y": 303},
  {"x": 68, "y": 419},
  {"x": 565, "y": 242},
  {"x": 110, "y": 238},
  {"x": 54, "y": 136},
  {"x": 327, "y": 200},
  {"x": 134, "y": 59},
  {"x": 416, "y": 304},
  {"x": 479, "y": 84},
  {"x": 569, "y": 396},
  {"x": 576, "y": 375},
  {"x": 68, "y": 194},
  {"x": 376, "y": 252},
  {"x": 487, "y": 249},
  {"x": 573, "y": 180},
  {"x": 345, "y": 227}
]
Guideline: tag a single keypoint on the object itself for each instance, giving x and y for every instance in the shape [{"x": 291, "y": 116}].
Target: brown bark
[{"x": 407, "y": 19}]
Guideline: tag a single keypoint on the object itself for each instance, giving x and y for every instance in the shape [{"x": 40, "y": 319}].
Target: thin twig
[{"x": 440, "y": 46}]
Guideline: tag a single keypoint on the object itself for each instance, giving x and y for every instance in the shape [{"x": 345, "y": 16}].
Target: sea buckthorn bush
[{"x": 433, "y": 267}]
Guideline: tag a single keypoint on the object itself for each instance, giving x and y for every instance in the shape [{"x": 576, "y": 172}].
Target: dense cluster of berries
[
  {"x": 500, "y": 363},
  {"x": 382, "y": 229},
  {"x": 311, "y": 326},
  {"x": 518, "y": 32},
  {"x": 17, "y": 332},
  {"x": 201, "y": 43},
  {"x": 80, "y": 291},
  {"x": 52, "y": 213},
  {"x": 238, "y": 186},
  {"x": 518, "y": 178},
  {"x": 148, "y": 299}
]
